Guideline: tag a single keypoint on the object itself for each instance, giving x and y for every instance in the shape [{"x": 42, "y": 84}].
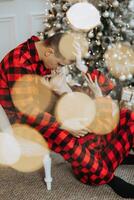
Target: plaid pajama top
[{"x": 89, "y": 163}]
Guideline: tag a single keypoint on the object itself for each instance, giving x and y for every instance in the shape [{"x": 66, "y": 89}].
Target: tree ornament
[
  {"x": 65, "y": 6},
  {"x": 87, "y": 55},
  {"x": 123, "y": 29},
  {"x": 51, "y": 16},
  {"x": 115, "y": 4},
  {"x": 131, "y": 5},
  {"x": 58, "y": 26},
  {"x": 64, "y": 20},
  {"x": 129, "y": 76},
  {"x": 47, "y": 26},
  {"x": 106, "y": 14},
  {"x": 45, "y": 20},
  {"x": 91, "y": 34},
  {"x": 58, "y": 7},
  {"x": 122, "y": 78},
  {"x": 59, "y": 15},
  {"x": 99, "y": 34},
  {"x": 112, "y": 15},
  {"x": 98, "y": 42}
]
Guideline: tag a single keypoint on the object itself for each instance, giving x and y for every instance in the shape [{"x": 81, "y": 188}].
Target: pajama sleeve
[{"x": 6, "y": 101}]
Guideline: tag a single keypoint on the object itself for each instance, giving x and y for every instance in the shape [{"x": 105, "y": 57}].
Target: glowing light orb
[
  {"x": 120, "y": 60},
  {"x": 83, "y": 16},
  {"x": 31, "y": 96},
  {"x": 67, "y": 42},
  {"x": 33, "y": 148},
  {"x": 75, "y": 111},
  {"x": 107, "y": 116}
]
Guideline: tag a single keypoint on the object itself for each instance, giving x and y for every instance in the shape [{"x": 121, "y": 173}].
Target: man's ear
[{"x": 49, "y": 51}]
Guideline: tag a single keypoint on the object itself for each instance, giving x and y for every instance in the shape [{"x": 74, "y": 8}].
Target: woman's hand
[
  {"x": 58, "y": 84},
  {"x": 94, "y": 86}
]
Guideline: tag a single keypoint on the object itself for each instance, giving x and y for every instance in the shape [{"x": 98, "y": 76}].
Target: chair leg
[{"x": 47, "y": 168}]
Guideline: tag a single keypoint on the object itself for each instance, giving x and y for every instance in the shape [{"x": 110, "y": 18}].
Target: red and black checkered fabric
[{"x": 93, "y": 158}]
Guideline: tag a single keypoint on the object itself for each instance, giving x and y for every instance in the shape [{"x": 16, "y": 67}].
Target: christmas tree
[{"x": 115, "y": 32}]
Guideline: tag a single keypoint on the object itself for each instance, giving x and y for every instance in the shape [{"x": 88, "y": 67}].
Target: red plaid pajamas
[{"x": 93, "y": 158}]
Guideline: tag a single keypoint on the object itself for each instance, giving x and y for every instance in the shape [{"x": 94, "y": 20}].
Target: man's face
[{"x": 53, "y": 62}]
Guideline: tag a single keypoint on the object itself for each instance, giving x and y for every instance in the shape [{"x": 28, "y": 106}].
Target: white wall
[{"x": 19, "y": 19}]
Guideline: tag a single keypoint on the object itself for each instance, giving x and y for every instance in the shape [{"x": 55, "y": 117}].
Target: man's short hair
[{"x": 53, "y": 41}]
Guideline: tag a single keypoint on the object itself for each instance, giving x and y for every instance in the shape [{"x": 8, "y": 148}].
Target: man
[{"x": 93, "y": 158}]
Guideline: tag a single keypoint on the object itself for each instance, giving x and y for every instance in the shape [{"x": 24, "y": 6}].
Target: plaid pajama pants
[{"x": 93, "y": 158}]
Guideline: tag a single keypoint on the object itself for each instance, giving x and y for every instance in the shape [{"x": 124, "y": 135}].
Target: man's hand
[
  {"x": 78, "y": 133},
  {"x": 94, "y": 86},
  {"x": 59, "y": 84}
]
